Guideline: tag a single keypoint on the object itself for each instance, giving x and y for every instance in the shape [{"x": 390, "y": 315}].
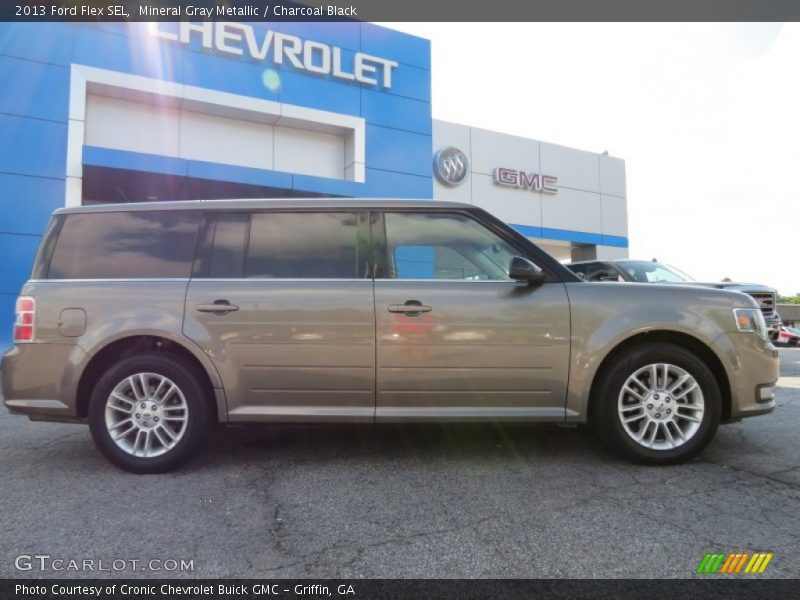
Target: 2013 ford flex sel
[{"x": 152, "y": 321}]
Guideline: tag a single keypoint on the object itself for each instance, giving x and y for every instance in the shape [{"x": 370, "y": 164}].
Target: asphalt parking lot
[{"x": 433, "y": 501}]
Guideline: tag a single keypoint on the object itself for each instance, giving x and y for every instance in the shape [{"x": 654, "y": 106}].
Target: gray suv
[{"x": 153, "y": 321}]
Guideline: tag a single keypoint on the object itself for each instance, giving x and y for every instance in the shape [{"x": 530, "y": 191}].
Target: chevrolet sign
[{"x": 238, "y": 39}]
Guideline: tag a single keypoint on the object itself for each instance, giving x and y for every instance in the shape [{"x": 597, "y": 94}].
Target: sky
[{"x": 706, "y": 116}]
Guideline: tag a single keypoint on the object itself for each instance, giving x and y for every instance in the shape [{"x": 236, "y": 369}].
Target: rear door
[
  {"x": 282, "y": 304},
  {"x": 456, "y": 338}
]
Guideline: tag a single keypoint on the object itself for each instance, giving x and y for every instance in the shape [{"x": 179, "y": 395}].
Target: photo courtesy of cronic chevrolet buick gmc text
[{"x": 153, "y": 321}]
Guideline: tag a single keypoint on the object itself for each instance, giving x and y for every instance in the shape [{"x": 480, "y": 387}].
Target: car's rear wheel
[
  {"x": 149, "y": 413},
  {"x": 657, "y": 404}
]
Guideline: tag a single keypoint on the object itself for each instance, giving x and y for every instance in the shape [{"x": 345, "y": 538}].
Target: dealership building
[{"x": 147, "y": 112}]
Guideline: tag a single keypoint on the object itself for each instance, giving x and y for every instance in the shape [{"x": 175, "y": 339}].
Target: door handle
[
  {"x": 412, "y": 308},
  {"x": 218, "y": 306}
]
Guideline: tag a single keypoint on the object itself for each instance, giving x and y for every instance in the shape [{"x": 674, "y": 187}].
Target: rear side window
[
  {"x": 287, "y": 245},
  {"x": 125, "y": 245},
  {"x": 228, "y": 245},
  {"x": 303, "y": 245}
]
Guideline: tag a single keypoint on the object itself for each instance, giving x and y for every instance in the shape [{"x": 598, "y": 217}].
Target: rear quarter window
[{"x": 125, "y": 245}]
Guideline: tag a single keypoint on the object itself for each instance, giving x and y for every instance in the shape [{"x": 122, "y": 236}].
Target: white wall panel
[
  {"x": 512, "y": 205},
  {"x": 491, "y": 150},
  {"x": 309, "y": 153},
  {"x": 452, "y": 134},
  {"x": 77, "y": 130},
  {"x": 226, "y": 141},
  {"x": 457, "y": 193},
  {"x": 615, "y": 215},
  {"x": 575, "y": 169},
  {"x": 612, "y": 176},
  {"x": 123, "y": 125},
  {"x": 574, "y": 210}
]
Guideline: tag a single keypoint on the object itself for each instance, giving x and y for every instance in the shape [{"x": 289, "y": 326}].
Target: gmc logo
[{"x": 526, "y": 181}]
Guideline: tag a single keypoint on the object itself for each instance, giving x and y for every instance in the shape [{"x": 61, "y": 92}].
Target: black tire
[
  {"x": 605, "y": 412},
  {"x": 197, "y": 396}
]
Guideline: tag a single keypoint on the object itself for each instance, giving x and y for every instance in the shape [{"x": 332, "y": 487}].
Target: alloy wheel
[
  {"x": 146, "y": 415},
  {"x": 661, "y": 406}
]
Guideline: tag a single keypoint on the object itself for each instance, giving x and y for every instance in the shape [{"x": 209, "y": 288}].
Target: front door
[
  {"x": 281, "y": 303},
  {"x": 456, "y": 338}
]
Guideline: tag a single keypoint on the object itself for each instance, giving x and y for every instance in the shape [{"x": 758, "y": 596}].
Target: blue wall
[{"x": 35, "y": 60}]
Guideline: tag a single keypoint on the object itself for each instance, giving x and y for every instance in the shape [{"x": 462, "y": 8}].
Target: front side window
[{"x": 444, "y": 246}]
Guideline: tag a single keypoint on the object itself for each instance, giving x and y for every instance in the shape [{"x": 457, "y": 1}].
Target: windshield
[{"x": 651, "y": 272}]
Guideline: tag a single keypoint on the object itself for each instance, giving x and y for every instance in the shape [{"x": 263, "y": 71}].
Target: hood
[
  {"x": 711, "y": 292},
  {"x": 728, "y": 285}
]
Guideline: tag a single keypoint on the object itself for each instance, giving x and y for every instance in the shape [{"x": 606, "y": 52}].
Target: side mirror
[{"x": 522, "y": 269}]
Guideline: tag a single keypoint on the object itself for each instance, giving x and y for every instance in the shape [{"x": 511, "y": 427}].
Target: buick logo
[{"x": 451, "y": 166}]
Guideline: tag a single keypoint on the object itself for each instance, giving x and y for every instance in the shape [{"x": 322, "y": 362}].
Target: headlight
[{"x": 750, "y": 319}]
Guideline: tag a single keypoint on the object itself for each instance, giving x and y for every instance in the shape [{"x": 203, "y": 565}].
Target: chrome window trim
[
  {"x": 454, "y": 280},
  {"x": 110, "y": 280},
  {"x": 226, "y": 279},
  {"x": 187, "y": 279},
  {"x": 291, "y": 279}
]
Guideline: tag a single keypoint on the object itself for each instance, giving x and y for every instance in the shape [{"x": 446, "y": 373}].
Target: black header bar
[
  {"x": 399, "y": 10},
  {"x": 391, "y": 589}
]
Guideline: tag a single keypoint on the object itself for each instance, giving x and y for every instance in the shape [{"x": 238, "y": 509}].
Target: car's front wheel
[
  {"x": 658, "y": 404},
  {"x": 149, "y": 413}
]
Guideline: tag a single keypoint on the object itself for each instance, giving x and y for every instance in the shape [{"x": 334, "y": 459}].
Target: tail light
[{"x": 23, "y": 326}]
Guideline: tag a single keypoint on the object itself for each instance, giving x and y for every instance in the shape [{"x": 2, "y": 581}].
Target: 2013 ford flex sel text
[{"x": 153, "y": 321}]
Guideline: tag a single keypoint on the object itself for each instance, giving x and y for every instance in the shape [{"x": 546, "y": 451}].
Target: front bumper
[{"x": 753, "y": 368}]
